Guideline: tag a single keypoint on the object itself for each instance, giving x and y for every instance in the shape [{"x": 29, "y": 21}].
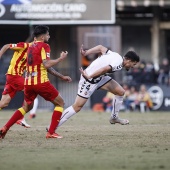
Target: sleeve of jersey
[
  {"x": 116, "y": 64},
  {"x": 19, "y": 46},
  {"x": 45, "y": 52}
]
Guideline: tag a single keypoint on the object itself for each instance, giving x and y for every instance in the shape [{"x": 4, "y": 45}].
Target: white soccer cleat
[
  {"x": 118, "y": 120},
  {"x": 23, "y": 123}
]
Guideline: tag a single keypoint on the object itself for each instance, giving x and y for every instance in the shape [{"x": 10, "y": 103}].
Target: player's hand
[
  {"x": 63, "y": 55},
  {"x": 67, "y": 79},
  {"x": 82, "y": 51},
  {"x": 84, "y": 74}
]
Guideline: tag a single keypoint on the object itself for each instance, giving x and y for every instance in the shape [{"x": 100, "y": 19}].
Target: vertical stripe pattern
[
  {"x": 18, "y": 61},
  {"x": 36, "y": 72}
]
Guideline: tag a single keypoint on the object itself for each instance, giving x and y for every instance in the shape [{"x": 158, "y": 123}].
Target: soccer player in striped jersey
[
  {"x": 37, "y": 81},
  {"x": 14, "y": 75}
]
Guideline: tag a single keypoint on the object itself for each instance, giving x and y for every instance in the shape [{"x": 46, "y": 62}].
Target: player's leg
[
  {"x": 29, "y": 96},
  {"x": 50, "y": 93},
  {"x": 72, "y": 110},
  {"x": 34, "y": 109},
  {"x": 56, "y": 116},
  {"x": 15, "y": 117},
  {"x": 22, "y": 121},
  {"x": 5, "y": 100},
  {"x": 13, "y": 85},
  {"x": 8, "y": 92},
  {"x": 85, "y": 90},
  {"x": 115, "y": 88}
]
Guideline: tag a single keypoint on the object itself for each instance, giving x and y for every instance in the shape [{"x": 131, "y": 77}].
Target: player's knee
[
  {"x": 62, "y": 103},
  {"x": 121, "y": 92},
  {"x": 3, "y": 104}
]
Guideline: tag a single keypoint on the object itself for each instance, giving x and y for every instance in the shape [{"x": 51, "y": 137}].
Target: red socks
[
  {"x": 55, "y": 121},
  {"x": 16, "y": 116}
]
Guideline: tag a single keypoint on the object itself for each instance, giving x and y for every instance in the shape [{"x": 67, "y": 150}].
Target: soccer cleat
[
  {"x": 23, "y": 123},
  {"x": 54, "y": 135},
  {"x": 3, "y": 132},
  {"x": 32, "y": 116},
  {"x": 120, "y": 121}
]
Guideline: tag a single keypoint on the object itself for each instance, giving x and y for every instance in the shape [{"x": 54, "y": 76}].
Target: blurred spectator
[
  {"x": 140, "y": 76},
  {"x": 163, "y": 77},
  {"x": 130, "y": 99},
  {"x": 150, "y": 74},
  {"x": 135, "y": 75},
  {"x": 107, "y": 102},
  {"x": 126, "y": 88},
  {"x": 143, "y": 100},
  {"x": 143, "y": 72}
]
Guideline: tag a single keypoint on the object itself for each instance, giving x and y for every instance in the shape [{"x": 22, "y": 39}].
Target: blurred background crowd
[{"x": 145, "y": 73}]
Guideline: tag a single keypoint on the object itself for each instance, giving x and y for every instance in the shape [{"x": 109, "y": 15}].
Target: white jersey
[
  {"x": 87, "y": 87},
  {"x": 109, "y": 59}
]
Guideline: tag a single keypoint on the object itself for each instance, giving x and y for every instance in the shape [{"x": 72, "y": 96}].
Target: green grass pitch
[{"x": 90, "y": 143}]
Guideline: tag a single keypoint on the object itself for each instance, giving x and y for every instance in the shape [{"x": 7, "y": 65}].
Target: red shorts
[
  {"x": 14, "y": 83},
  {"x": 45, "y": 90}
]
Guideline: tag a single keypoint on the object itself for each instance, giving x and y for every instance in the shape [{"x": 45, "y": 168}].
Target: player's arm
[
  {"x": 97, "y": 73},
  {"x": 52, "y": 71},
  {"x": 19, "y": 46},
  {"x": 97, "y": 49},
  {"x": 3, "y": 49},
  {"x": 50, "y": 63}
]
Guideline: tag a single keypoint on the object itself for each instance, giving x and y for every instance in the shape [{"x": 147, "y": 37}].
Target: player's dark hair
[
  {"x": 40, "y": 29},
  {"x": 131, "y": 55}
]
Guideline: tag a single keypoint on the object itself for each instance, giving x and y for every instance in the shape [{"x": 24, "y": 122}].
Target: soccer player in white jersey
[{"x": 95, "y": 77}]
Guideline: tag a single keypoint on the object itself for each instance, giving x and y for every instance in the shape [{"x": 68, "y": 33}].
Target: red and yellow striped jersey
[
  {"x": 18, "y": 61},
  {"x": 35, "y": 71}
]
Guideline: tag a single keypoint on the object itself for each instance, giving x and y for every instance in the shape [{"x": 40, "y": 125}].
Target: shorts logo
[
  {"x": 82, "y": 87},
  {"x": 86, "y": 87},
  {"x": 95, "y": 80}
]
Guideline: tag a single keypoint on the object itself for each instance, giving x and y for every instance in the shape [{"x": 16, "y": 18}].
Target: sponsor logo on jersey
[
  {"x": 13, "y": 45},
  {"x": 48, "y": 55},
  {"x": 116, "y": 68},
  {"x": 119, "y": 67}
]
